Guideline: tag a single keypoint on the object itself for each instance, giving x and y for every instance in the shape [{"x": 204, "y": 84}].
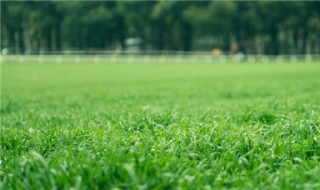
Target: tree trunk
[
  {"x": 21, "y": 41},
  {"x": 304, "y": 40},
  {"x": 11, "y": 41}
]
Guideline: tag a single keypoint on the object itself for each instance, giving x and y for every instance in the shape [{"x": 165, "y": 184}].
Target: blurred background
[{"x": 218, "y": 27}]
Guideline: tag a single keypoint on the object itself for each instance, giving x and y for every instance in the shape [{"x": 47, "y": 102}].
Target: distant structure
[{"x": 134, "y": 45}]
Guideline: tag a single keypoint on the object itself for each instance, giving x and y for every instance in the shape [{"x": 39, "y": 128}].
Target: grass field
[{"x": 160, "y": 126}]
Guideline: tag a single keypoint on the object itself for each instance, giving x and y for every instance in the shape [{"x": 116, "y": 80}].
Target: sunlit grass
[{"x": 160, "y": 126}]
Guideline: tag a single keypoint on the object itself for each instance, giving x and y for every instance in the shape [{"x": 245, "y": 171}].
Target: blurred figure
[
  {"x": 217, "y": 52},
  {"x": 236, "y": 54}
]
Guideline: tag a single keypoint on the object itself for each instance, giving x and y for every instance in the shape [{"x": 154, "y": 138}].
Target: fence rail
[{"x": 161, "y": 58}]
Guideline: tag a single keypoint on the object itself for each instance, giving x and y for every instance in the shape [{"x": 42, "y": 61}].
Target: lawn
[{"x": 160, "y": 126}]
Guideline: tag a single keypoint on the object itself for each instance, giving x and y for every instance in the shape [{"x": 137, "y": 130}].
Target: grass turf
[{"x": 160, "y": 126}]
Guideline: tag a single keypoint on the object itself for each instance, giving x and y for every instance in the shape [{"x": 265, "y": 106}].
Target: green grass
[{"x": 160, "y": 126}]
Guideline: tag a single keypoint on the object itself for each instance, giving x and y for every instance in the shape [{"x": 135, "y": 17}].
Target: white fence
[{"x": 158, "y": 58}]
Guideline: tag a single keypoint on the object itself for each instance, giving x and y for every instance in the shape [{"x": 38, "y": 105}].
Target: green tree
[
  {"x": 172, "y": 28},
  {"x": 42, "y": 24},
  {"x": 12, "y": 17}
]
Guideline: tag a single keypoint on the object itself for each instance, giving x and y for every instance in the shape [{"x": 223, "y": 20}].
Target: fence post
[
  {"x": 146, "y": 58},
  {"x": 113, "y": 58},
  {"x": 293, "y": 59},
  {"x": 308, "y": 58},
  {"x": 21, "y": 59},
  {"x": 77, "y": 59},
  {"x": 96, "y": 59},
  {"x": 58, "y": 59}
]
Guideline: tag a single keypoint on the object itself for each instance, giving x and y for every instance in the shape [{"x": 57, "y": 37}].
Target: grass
[{"x": 160, "y": 126}]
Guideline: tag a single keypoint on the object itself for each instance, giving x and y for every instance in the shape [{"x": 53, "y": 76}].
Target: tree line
[{"x": 259, "y": 27}]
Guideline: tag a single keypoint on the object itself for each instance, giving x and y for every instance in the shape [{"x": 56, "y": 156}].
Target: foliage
[{"x": 258, "y": 27}]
